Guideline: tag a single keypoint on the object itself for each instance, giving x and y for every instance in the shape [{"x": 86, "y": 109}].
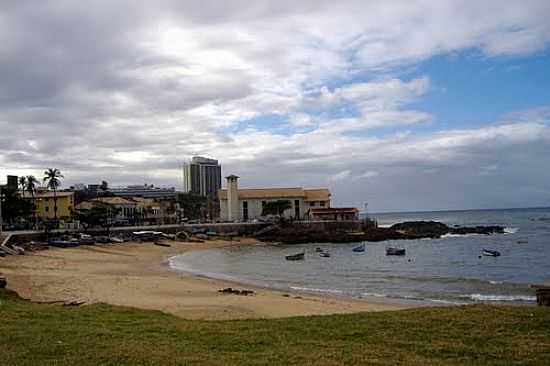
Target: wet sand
[{"x": 136, "y": 275}]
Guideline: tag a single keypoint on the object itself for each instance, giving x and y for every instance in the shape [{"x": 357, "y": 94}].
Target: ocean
[{"x": 449, "y": 270}]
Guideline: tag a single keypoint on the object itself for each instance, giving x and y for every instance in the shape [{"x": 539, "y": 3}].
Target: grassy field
[{"x": 32, "y": 334}]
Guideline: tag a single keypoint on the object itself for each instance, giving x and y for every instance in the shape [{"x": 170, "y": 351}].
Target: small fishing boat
[
  {"x": 324, "y": 254},
  {"x": 359, "y": 249},
  {"x": 319, "y": 250},
  {"x": 296, "y": 257},
  {"x": 60, "y": 243},
  {"x": 395, "y": 251},
  {"x": 491, "y": 253}
]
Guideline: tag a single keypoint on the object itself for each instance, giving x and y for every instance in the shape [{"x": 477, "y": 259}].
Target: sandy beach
[{"x": 136, "y": 275}]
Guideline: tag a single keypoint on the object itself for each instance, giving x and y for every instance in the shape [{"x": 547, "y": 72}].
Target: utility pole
[{"x": 1, "y": 197}]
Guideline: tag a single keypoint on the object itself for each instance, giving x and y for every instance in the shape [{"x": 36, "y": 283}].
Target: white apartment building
[{"x": 247, "y": 204}]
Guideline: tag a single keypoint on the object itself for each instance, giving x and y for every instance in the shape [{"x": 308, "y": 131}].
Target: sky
[{"x": 406, "y": 105}]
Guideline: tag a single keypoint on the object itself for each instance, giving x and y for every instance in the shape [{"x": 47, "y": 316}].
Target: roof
[
  {"x": 270, "y": 193},
  {"x": 114, "y": 200},
  {"x": 47, "y": 194},
  {"x": 317, "y": 194},
  {"x": 334, "y": 210}
]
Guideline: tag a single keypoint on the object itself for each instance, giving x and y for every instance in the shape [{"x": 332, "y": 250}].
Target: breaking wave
[{"x": 499, "y": 298}]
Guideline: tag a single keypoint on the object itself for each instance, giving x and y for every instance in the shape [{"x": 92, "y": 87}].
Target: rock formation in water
[{"x": 299, "y": 234}]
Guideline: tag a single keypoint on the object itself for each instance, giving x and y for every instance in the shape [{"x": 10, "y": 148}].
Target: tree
[
  {"x": 30, "y": 187},
  {"x": 193, "y": 205},
  {"x": 53, "y": 178},
  {"x": 14, "y": 207},
  {"x": 276, "y": 207},
  {"x": 100, "y": 214},
  {"x": 104, "y": 186},
  {"x": 23, "y": 183}
]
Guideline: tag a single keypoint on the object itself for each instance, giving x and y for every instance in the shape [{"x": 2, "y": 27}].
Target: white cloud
[{"x": 128, "y": 99}]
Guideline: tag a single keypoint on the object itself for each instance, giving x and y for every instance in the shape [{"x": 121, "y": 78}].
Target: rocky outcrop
[
  {"x": 425, "y": 229},
  {"x": 300, "y": 234},
  {"x": 434, "y": 229}
]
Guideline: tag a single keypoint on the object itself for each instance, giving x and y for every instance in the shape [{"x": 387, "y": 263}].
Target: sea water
[{"x": 449, "y": 270}]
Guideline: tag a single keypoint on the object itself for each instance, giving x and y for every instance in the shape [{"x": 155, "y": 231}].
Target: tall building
[{"x": 202, "y": 176}]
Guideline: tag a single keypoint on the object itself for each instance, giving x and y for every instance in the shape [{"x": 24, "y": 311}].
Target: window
[
  {"x": 245, "y": 211},
  {"x": 312, "y": 203},
  {"x": 322, "y": 203},
  {"x": 46, "y": 208}
]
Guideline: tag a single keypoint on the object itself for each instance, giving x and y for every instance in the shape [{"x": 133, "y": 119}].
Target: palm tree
[
  {"x": 31, "y": 188},
  {"x": 53, "y": 177},
  {"x": 23, "y": 184}
]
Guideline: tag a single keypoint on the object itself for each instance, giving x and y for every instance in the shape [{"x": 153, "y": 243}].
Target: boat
[
  {"x": 60, "y": 243},
  {"x": 395, "y": 251},
  {"x": 359, "y": 249},
  {"x": 491, "y": 253},
  {"x": 116, "y": 239},
  {"x": 296, "y": 257},
  {"x": 324, "y": 254},
  {"x": 319, "y": 250}
]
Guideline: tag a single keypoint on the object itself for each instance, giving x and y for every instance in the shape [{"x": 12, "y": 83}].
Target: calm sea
[{"x": 447, "y": 270}]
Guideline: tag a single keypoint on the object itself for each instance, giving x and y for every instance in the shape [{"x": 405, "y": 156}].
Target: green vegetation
[
  {"x": 15, "y": 208},
  {"x": 32, "y": 334},
  {"x": 53, "y": 178},
  {"x": 276, "y": 207},
  {"x": 100, "y": 214}
]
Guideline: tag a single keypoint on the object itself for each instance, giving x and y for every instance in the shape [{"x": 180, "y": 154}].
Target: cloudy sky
[{"x": 407, "y": 105}]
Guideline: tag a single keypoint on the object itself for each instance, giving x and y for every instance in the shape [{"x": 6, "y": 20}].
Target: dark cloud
[{"x": 125, "y": 90}]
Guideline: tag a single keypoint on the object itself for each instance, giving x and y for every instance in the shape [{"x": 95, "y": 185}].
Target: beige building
[{"x": 247, "y": 204}]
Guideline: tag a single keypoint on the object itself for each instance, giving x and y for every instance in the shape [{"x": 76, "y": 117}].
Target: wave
[
  {"x": 510, "y": 230},
  {"x": 311, "y": 289},
  {"x": 499, "y": 298},
  {"x": 414, "y": 298},
  {"x": 459, "y": 235}
]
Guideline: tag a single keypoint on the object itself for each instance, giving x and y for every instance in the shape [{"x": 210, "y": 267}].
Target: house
[
  {"x": 44, "y": 201},
  {"x": 334, "y": 214},
  {"x": 127, "y": 210},
  {"x": 247, "y": 204}
]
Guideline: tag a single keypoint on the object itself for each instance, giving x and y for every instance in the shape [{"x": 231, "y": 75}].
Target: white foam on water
[
  {"x": 439, "y": 301},
  {"x": 510, "y": 230},
  {"x": 459, "y": 235},
  {"x": 480, "y": 297},
  {"x": 330, "y": 291},
  {"x": 496, "y": 282},
  {"x": 373, "y": 294}
]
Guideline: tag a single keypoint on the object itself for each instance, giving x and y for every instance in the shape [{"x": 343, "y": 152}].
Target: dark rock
[
  {"x": 486, "y": 230},
  {"x": 232, "y": 291},
  {"x": 299, "y": 234},
  {"x": 425, "y": 229},
  {"x": 3, "y": 282}
]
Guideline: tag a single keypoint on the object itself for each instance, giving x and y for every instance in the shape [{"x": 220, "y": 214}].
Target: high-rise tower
[{"x": 202, "y": 176}]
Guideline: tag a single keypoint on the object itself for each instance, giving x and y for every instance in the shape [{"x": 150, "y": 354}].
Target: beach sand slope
[{"x": 136, "y": 275}]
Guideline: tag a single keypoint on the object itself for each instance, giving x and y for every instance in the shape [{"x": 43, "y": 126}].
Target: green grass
[{"x": 32, "y": 334}]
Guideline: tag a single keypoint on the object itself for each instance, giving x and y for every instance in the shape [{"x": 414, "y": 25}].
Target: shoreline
[
  {"x": 370, "y": 299},
  {"x": 139, "y": 275}
]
